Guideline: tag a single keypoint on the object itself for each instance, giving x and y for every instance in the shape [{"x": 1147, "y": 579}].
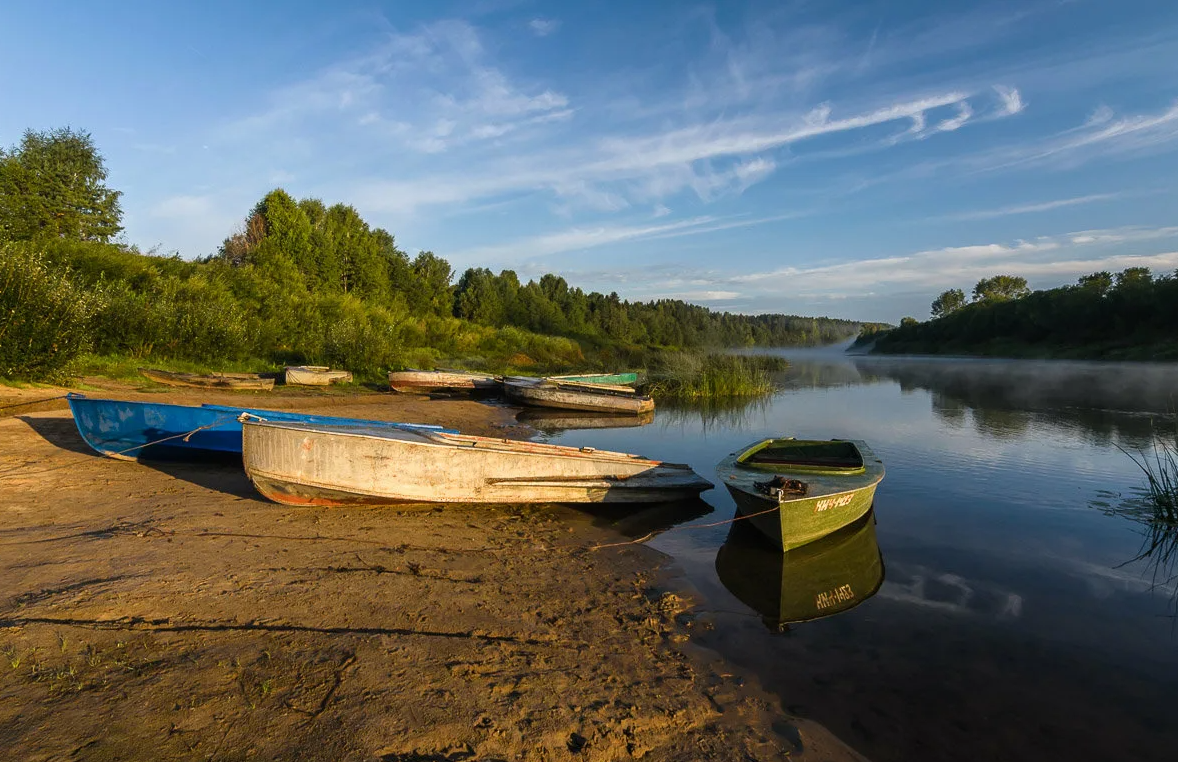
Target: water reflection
[
  {"x": 554, "y": 421},
  {"x": 817, "y": 580}
]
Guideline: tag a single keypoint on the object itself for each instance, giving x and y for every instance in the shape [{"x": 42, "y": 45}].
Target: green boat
[
  {"x": 608, "y": 379},
  {"x": 821, "y": 579},
  {"x": 796, "y": 491}
]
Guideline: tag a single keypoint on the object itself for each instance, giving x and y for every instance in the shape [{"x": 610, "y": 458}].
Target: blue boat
[{"x": 129, "y": 430}]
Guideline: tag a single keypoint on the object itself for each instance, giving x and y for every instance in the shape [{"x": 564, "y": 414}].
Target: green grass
[{"x": 695, "y": 375}]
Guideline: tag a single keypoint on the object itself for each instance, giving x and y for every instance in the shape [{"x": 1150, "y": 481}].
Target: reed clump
[
  {"x": 1161, "y": 473},
  {"x": 692, "y": 375}
]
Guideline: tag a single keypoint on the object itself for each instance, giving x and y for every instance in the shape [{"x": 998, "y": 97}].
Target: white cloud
[
  {"x": 1012, "y": 101},
  {"x": 1044, "y": 206},
  {"x": 543, "y": 27}
]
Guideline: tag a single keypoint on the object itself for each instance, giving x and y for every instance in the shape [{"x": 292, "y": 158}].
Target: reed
[
  {"x": 1161, "y": 473},
  {"x": 692, "y": 375}
]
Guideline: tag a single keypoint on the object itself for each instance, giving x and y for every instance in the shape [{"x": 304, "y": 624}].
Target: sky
[{"x": 850, "y": 159}]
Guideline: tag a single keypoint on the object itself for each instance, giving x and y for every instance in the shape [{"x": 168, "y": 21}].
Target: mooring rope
[
  {"x": 649, "y": 535},
  {"x": 34, "y": 402}
]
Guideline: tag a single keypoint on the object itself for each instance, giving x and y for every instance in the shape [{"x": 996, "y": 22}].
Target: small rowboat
[
  {"x": 606, "y": 379},
  {"x": 825, "y": 577},
  {"x": 796, "y": 491},
  {"x": 251, "y": 381},
  {"x": 130, "y": 430},
  {"x": 316, "y": 375},
  {"x": 424, "y": 381},
  {"x": 576, "y": 396},
  {"x": 310, "y": 464}
]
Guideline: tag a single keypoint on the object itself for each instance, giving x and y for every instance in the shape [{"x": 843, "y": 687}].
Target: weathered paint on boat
[
  {"x": 315, "y": 375},
  {"x": 244, "y": 381},
  {"x": 306, "y": 464},
  {"x": 129, "y": 430},
  {"x": 435, "y": 380},
  {"x": 608, "y": 379},
  {"x": 825, "y": 577},
  {"x": 577, "y": 397},
  {"x": 837, "y": 493}
]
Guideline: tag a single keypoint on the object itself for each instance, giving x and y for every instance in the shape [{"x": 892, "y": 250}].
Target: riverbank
[
  {"x": 1003, "y": 349},
  {"x": 166, "y": 611}
]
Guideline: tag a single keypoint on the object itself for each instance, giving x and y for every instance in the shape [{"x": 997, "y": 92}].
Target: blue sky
[{"x": 845, "y": 159}]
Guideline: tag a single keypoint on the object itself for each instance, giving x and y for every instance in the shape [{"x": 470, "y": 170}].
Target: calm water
[{"x": 1008, "y": 624}]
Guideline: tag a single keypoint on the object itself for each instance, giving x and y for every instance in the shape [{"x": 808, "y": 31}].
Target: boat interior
[{"x": 833, "y": 456}]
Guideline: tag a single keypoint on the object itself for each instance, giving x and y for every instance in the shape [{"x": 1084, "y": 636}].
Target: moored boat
[
  {"x": 247, "y": 381},
  {"x": 795, "y": 491},
  {"x": 423, "y": 381},
  {"x": 309, "y": 464},
  {"x": 820, "y": 579},
  {"x": 576, "y": 396},
  {"x": 604, "y": 379},
  {"x": 315, "y": 375},
  {"x": 129, "y": 430}
]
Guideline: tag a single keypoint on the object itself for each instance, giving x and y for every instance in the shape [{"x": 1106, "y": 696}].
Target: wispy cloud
[
  {"x": 1006, "y": 211},
  {"x": 543, "y": 27}
]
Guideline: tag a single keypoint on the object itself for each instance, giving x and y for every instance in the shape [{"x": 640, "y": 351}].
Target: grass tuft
[{"x": 690, "y": 375}]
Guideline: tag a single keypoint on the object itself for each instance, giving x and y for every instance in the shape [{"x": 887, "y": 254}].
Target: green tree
[
  {"x": 949, "y": 301},
  {"x": 1099, "y": 283},
  {"x": 1000, "y": 288},
  {"x": 1133, "y": 277},
  {"x": 432, "y": 293},
  {"x": 908, "y": 322},
  {"x": 52, "y": 185}
]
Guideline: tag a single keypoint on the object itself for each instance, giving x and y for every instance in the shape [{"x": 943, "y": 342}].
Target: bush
[{"x": 44, "y": 317}]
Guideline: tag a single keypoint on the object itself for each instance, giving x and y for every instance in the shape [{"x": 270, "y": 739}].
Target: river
[{"x": 1014, "y": 618}]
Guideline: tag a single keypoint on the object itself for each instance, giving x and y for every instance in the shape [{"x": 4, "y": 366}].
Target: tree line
[
  {"x": 1132, "y": 314},
  {"x": 299, "y": 281}
]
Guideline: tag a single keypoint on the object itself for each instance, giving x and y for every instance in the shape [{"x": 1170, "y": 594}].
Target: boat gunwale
[{"x": 748, "y": 452}]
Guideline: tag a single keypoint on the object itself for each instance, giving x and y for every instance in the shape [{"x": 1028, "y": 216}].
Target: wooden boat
[
  {"x": 552, "y": 420},
  {"x": 575, "y": 396},
  {"x": 316, "y": 375},
  {"x": 251, "y": 381},
  {"x": 424, "y": 381},
  {"x": 309, "y": 464},
  {"x": 796, "y": 491},
  {"x": 605, "y": 379},
  {"x": 130, "y": 430},
  {"x": 825, "y": 577}
]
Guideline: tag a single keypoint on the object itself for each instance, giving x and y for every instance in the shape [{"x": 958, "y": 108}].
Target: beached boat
[
  {"x": 552, "y": 420},
  {"x": 130, "y": 430},
  {"x": 308, "y": 464},
  {"x": 795, "y": 491},
  {"x": 424, "y": 381},
  {"x": 825, "y": 577},
  {"x": 315, "y": 375},
  {"x": 576, "y": 396},
  {"x": 248, "y": 381},
  {"x": 607, "y": 379}
]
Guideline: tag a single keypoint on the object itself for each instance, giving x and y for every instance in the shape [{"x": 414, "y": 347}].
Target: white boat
[
  {"x": 305, "y": 464},
  {"x": 315, "y": 375},
  {"x": 577, "y": 396},
  {"x": 422, "y": 381}
]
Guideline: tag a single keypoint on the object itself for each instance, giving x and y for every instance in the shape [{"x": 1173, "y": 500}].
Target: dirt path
[{"x": 165, "y": 611}]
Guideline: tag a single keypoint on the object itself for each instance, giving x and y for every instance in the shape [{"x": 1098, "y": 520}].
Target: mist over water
[{"x": 1013, "y": 621}]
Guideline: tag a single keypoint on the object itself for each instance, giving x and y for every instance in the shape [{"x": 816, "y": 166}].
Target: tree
[
  {"x": 908, "y": 322},
  {"x": 52, "y": 185},
  {"x": 432, "y": 292},
  {"x": 1000, "y": 288},
  {"x": 949, "y": 301},
  {"x": 1098, "y": 283},
  {"x": 1134, "y": 277}
]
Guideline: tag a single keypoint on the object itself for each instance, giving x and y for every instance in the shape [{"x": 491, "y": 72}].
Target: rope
[
  {"x": 34, "y": 402},
  {"x": 649, "y": 535},
  {"x": 184, "y": 435}
]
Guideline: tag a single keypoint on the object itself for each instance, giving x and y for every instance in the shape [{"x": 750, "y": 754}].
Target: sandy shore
[{"x": 160, "y": 611}]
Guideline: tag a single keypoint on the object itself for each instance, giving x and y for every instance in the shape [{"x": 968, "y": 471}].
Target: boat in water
[
  {"x": 244, "y": 381},
  {"x": 315, "y": 375},
  {"x": 314, "y": 464},
  {"x": 566, "y": 395},
  {"x": 130, "y": 430},
  {"x": 820, "y": 579},
  {"x": 601, "y": 379},
  {"x": 425, "y": 381},
  {"x": 795, "y": 491}
]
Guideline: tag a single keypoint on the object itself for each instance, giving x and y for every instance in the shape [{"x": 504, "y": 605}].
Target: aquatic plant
[{"x": 693, "y": 375}]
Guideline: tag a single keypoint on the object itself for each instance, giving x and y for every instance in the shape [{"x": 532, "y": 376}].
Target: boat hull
[
  {"x": 604, "y": 379},
  {"x": 304, "y": 465},
  {"x": 315, "y": 376},
  {"x": 424, "y": 381},
  {"x": 131, "y": 430},
  {"x": 569, "y": 397},
  {"x": 239, "y": 381},
  {"x": 832, "y": 500}
]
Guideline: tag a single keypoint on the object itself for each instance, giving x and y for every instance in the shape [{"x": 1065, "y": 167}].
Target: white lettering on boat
[
  {"x": 838, "y": 501},
  {"x": 834, "y": 597}
]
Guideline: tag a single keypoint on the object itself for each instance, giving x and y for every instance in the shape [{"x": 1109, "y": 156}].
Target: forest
[
  {"x": 299, "y": 281},
  {"x": 1130, "y": 315}
]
